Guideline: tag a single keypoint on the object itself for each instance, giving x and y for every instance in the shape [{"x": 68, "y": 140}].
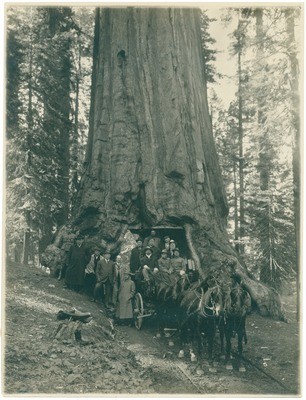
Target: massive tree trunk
[{"x": 151, "y": 158}]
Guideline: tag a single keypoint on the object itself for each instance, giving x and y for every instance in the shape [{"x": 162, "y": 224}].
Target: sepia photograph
[{"x": 152, "y": 199}]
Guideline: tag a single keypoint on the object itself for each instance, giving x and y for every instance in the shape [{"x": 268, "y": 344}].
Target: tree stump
[{"x": 68, "y": 331}]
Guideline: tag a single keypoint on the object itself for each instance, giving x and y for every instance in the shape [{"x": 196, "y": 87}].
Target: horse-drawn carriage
[{"x": 199, "y": 308}]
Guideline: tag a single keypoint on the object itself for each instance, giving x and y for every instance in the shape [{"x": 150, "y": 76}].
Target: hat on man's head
[
  {"x": 172, "y": 241},
  {"x": 167, "y": 237},
  {"x": 176, "y": 249},
  {"x": 107, "y": 251},
  {"x": 139, "y": 239},
  {"x": 164, "y": 251},
  {"x": 149, "y": 248},
  {"x": 96, "y": 248}
]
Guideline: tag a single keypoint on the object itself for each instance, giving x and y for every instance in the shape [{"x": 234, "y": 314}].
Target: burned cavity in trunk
[{"x": 175, "y": 233}]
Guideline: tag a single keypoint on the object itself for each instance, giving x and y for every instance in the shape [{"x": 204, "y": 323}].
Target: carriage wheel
[{"x": 138, "y": 310}]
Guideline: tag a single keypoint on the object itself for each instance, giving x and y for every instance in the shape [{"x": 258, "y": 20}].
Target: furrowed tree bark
[{"x": 151, "y": 158}]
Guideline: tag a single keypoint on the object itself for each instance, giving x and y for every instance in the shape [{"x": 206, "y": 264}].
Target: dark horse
[
  {"x": 232, "y": 323},
  {"x": 200, "y": 317}
]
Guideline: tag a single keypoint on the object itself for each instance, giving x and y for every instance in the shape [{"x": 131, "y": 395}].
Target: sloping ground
[{"x": 136, "y": 361}]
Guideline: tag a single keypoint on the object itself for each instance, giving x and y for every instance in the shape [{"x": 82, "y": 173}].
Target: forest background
[{"x": 252, "y": 58}]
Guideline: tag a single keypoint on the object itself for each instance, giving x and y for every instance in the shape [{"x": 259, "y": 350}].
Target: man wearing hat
[
  {"x": 136, "y": 255},
  {"x": 148, "y": 262},
  {"x": 164, "y": 261},
  {"x": 105, "y": 274},
  {"x": 167, "y": 242},
  {"x": 172, "y": 246},
  {"x": 177, "y": 263},
  {"x": 155, "y": 250},
  {"x": 78, "y": 258},
  {"x": 90, "y": 273}
]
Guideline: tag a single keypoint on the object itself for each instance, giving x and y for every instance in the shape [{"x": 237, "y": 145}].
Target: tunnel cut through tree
[{"x": 151, "y": 158}]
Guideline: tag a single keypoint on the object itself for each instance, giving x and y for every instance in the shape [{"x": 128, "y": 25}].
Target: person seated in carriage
[
  {"x": 148, "y": 263},
  {"x": 164, "y": 261},
  {"x": 167, "y": 243},
  {"x": 172, "y": 246},
  {"x": 155, "y": 250},
  {"x": 177, "y": 263}
]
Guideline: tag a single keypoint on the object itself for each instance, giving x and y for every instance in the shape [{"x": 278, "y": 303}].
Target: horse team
[{"x": 200, "y": 309}]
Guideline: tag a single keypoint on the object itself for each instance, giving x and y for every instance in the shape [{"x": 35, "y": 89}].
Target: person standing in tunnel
[
  {"x": 136, "y": 255},
  {"x": 155, "y": 238}
]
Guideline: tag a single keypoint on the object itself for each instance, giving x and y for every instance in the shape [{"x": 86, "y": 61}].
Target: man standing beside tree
[
  {"x": 90, "y": 273},
  {"x": 78, "y": 258},
  {"x": 105, "y": 279}
]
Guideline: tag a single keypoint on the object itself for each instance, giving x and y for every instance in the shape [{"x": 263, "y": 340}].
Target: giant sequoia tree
[{"x": 151, "y": 158}]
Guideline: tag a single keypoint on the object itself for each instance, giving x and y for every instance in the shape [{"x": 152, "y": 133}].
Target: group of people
[
  {"x": 153, "y": 254},
  {"x": 112, "y": 281}
]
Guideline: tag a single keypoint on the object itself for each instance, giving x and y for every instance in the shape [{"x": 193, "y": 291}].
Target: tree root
[{"x": 193, "y": 252}]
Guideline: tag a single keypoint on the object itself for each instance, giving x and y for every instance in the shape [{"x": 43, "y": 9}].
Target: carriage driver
[
  {"x": 177, "y": 263},
  {"x": 148, "y": 263}
]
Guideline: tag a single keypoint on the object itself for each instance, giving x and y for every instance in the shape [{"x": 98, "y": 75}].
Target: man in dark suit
[
  {"x": 90, "y": 273},
  {"x": 155, "y": 250},
  {"x": 78, "y": 258},
  {"x": 136, "y": 255},
  {"x": 148, "y": 263},
  {"x": 105, "y": 274}
]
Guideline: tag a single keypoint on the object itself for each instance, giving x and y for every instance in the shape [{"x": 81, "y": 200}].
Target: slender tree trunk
[
  {"x": 64, "y": 149},
  {"x": 236, "y": 218},
  {"x": 241, "y": 152},
  {"x": 296, "y": 148},
  {"x": 267, "y": 272},
  {"x": 75, "y": 140}
]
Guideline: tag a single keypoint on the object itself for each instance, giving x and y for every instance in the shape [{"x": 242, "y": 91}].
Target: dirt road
[{"x": 135, "y": 361}]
